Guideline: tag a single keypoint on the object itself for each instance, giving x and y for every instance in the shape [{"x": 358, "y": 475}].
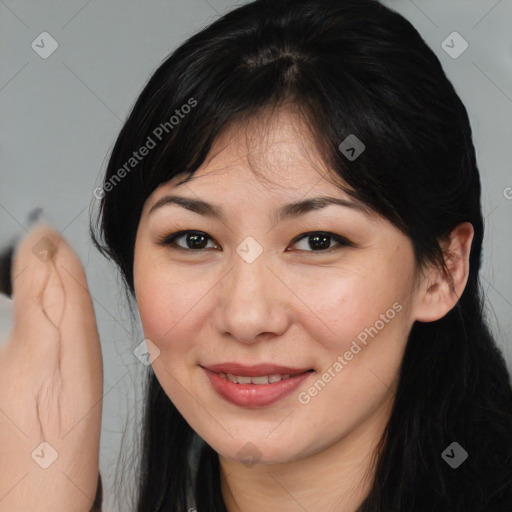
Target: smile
[
  {"x": 263, "y": 379},
  {"x": 255, "y": 386}
]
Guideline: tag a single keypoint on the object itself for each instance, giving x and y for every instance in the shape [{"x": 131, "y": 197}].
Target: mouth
[
  {"x": 254, "y": 386},
  {"x": 262, "y": 379}
]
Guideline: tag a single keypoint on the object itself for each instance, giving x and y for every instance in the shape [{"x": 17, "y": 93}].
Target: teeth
[{"x": 261, "y": 379}]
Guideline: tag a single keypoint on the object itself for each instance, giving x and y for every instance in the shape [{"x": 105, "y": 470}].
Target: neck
[{"x": 337, "y": 479}]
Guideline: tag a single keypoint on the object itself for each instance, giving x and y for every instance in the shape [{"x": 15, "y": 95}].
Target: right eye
[{"x": 194, "y": 240}]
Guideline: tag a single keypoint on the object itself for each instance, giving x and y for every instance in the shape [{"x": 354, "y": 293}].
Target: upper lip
[{"x": 254, "y": 370}]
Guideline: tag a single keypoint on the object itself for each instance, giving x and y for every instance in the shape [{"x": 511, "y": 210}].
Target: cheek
[
  {"x": 153, "y": 305},
  {"x": 152, "y": 300},
  {"x": 169, "y": 305},
  {"x": 345, "y": 308}
]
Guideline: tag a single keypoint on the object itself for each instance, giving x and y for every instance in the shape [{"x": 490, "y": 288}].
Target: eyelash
[{"x": 169, "y": 240}]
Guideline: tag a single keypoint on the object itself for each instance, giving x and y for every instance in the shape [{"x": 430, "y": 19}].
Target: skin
[
  {"x": 294, "y": 306},
  {"x": 51, "y": 382}
]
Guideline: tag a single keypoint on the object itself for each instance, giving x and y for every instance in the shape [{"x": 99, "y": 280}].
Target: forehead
[{"x": 275, "y": 149}]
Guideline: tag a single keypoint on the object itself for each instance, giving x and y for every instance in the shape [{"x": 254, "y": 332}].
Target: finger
[
  {"x": 53, "y": 312},
  {"x": 37, "y": 290}
]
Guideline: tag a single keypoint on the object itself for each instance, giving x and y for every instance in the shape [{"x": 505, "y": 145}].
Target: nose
[{"x": 253, "y": 304}]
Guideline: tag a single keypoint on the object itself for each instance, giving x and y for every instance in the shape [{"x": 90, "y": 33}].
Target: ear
[{"x": 438, "y": 294}]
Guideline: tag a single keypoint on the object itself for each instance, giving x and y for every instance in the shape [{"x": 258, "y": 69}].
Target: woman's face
[{"x": 255, "y": 296}]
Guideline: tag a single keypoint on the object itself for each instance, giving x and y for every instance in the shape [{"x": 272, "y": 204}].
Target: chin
[{"x": 259, "y": 450}]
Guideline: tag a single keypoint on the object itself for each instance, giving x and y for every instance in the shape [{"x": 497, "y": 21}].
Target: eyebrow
[{"x": 286, "y": 211}]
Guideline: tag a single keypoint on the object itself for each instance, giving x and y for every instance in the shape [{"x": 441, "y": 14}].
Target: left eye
[
  {"x": 320, "y": 241},
  {"x": 196, "y": 241}
]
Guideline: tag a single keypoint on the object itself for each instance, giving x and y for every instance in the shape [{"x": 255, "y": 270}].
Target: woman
[{"x": 362, "y": 377}]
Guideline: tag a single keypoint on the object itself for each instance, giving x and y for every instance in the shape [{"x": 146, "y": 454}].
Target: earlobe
[{"x": 437, "y": 293}]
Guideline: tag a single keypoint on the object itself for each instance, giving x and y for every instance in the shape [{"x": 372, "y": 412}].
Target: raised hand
[{"x": 51, "y": 383}]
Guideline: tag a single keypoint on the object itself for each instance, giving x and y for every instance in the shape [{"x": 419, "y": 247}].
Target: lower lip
[{"x": 254, "y": 395}]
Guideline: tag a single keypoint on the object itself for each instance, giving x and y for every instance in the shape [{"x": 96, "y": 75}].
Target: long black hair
[{"x": 351, "y": 67}]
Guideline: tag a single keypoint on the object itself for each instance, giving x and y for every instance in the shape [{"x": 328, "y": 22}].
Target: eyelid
[
  {"x": 342, "y": 241},
  {"x": 168, "y": 240}
]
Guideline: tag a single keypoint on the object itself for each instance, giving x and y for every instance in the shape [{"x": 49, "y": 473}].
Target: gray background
[{"x": 60, "y": 116}]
